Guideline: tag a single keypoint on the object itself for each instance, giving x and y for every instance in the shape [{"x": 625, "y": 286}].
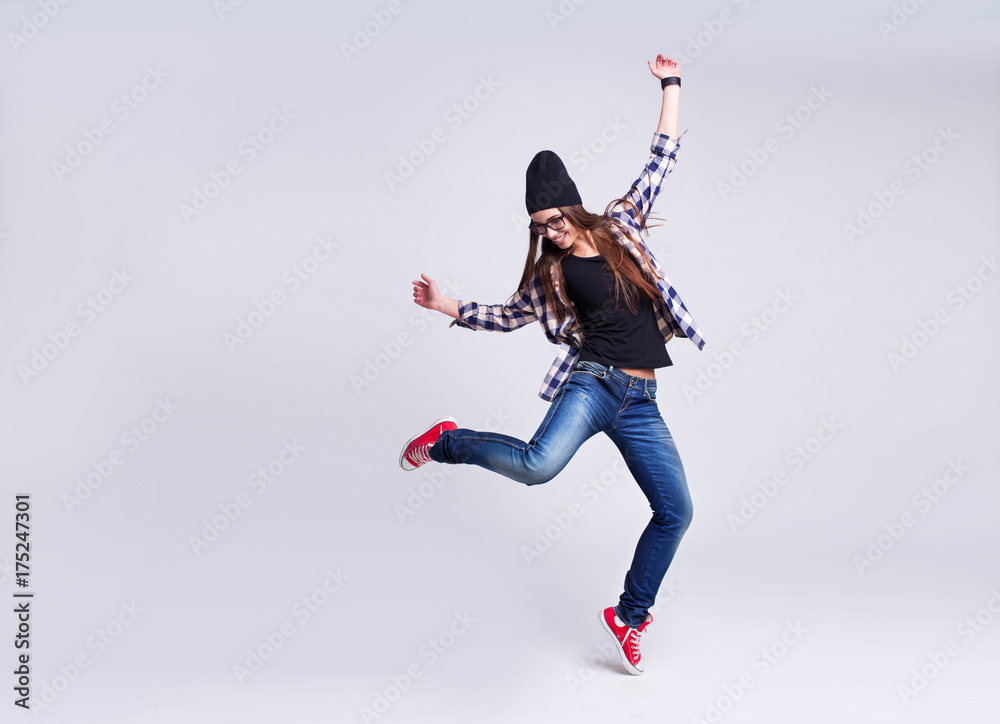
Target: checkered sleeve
[
  {"x": 644, "y": 190},
  {"x": 497, "y": 317}
]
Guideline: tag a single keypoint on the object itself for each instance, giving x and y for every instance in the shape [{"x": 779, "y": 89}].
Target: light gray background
[{"x": 459, "y": 218}]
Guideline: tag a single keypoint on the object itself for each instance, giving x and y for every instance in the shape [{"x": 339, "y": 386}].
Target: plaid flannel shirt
[{"x": 531, "y": 304}]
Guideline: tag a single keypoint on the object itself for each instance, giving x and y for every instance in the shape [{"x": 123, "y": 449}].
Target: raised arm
[
  {"x": 662, "y": 68},
  {"x": 663, "y": 150}
]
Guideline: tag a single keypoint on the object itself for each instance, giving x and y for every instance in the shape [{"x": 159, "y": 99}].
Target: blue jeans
[{"x": 598, "y": 398}]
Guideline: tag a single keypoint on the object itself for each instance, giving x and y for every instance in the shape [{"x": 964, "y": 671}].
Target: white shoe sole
[
  {"x": 621, "y": 652},
  {"x": 406, "y": 464}
]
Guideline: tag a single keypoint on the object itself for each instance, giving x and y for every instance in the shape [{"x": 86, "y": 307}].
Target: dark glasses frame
[{"x": 556, "y": 224}]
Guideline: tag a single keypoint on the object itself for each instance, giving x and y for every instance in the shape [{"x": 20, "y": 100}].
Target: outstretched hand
[
  {"x": 663, "y": 67},
  {"x": 425, "y": 293}
]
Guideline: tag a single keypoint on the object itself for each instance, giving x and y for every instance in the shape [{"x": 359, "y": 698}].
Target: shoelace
[
  {"x": 633, "y": 642},
  {"x": 419, "y": 454}
]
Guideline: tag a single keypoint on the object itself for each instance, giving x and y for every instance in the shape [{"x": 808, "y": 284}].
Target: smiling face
[{"x": 562, "y": 237}]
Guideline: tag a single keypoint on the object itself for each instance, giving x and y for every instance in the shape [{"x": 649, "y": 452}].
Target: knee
[
  {"x": 677, "y": 516},
  {"x": 537, "y": 472},
  {"x": 686, "y": 515},
  {"x": 538, "y": 476},
  {"x": 539, "y": 468}
]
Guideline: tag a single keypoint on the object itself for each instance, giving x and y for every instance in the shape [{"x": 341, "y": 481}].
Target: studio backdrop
[{"x": 212, "y": 215}]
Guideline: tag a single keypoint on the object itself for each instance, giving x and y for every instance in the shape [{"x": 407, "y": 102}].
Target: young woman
[{"x": 598, "y": 293}]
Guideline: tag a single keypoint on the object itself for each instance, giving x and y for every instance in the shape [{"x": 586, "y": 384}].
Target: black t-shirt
[{"x": 612, "y": 336}]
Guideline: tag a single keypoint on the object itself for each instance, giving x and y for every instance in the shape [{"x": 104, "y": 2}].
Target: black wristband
[{"x": 670, "y": 80}]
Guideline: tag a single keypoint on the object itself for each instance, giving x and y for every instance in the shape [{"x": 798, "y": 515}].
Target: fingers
[
  {"x": 663, "y": 62},
  {"x": 419, "y": 289}
]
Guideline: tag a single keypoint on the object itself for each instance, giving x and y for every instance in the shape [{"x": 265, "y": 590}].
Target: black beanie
[{"x": 548, "y": 184}]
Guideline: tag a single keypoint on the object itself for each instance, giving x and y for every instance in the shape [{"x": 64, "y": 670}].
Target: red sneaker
[
  {"x": 415, "y": 450},
  {"x": 627, "y": 639}
]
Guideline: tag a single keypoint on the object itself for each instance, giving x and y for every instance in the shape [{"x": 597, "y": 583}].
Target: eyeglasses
[{"x": 555, "y": 224}]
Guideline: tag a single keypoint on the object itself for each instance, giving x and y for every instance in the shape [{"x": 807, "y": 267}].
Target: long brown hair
[{"x": 630, "y": 280}]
